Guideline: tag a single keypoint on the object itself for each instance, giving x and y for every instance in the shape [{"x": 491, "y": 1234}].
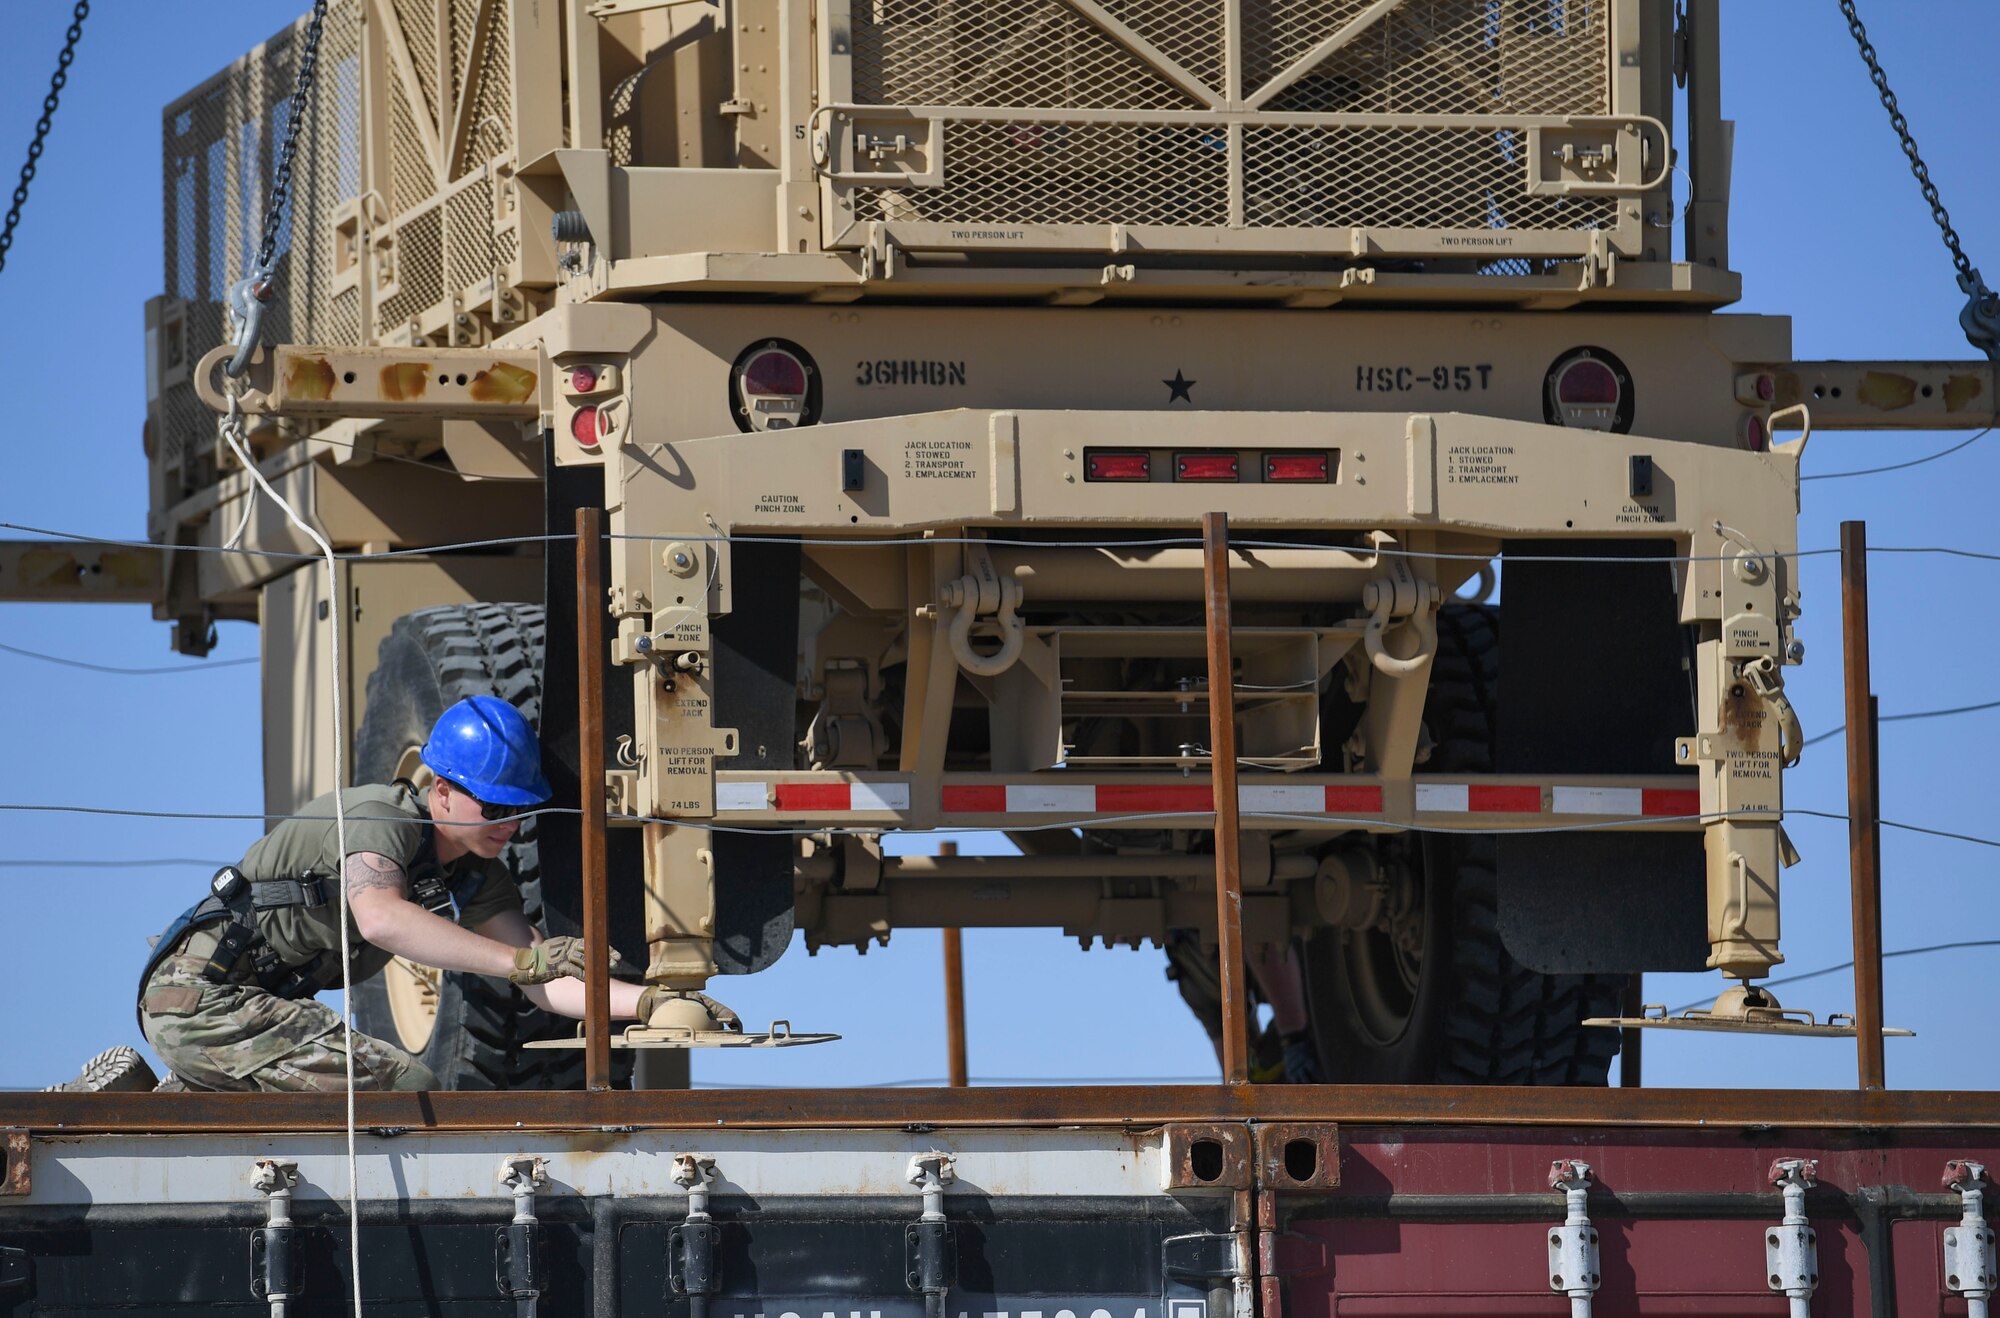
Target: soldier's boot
[{"x": 119, "y": 1070}]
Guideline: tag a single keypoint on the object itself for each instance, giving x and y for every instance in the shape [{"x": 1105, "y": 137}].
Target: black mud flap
[
  {"x": 755, "y": 653},
  {"x": 566, "y": 490},
  {"x": 755, "y": 648},
  {"x": 1595, "y": 679}
]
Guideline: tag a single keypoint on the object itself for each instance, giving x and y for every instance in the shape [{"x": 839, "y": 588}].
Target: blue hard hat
[{"x": 484, "y": 745}]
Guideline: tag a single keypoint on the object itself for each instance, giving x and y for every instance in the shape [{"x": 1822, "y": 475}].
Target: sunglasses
[{"x": 493, "y": 814}]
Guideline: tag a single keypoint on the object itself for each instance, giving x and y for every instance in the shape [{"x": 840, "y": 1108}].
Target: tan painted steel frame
[
  {"x": 1234, "y": 108},
  {"x": 767, "y": 217},
  {"x": 1408, "y": 478}
]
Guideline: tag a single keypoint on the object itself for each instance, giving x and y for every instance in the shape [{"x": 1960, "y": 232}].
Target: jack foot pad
[
  {"x": 780, "y": 1035},
  {"x": 1744, "y": 1009}
]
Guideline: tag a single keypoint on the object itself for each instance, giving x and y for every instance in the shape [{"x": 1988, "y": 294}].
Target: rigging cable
[
  {"x": 1901, "y": 466},
  {"x": 89, "y": 667}
]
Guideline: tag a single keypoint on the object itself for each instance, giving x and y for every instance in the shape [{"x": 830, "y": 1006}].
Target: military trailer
[{"x": 904, "y": 345}]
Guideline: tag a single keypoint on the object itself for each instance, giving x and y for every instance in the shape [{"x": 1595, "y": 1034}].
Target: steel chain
[
  {"x": 281, "y": 178},
  {"x": 1959, "y": 260},
  {"x": 250, "y": 295},
  {"x": 57, "y": 82},
  {"x": 1981, "y": 317}
]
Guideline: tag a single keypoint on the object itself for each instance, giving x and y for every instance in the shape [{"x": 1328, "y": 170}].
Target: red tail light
[
  {"x": 583, "y": 378},
  {"x": 1587, "y": 382},
  {"x": 1309, "y": 467},
  {"x": 1118, "y": 466},
  {"x": 1589, "y": 389},
  {"x": 775, "y": 373},
  {"x": 1206, "y": 467},
  {"x": 1755, "y": 437},
  {"x": 583, "y": 427}
]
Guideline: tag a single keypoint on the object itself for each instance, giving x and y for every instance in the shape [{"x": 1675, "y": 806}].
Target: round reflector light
[
  {"x": 583, "y": 378},
  {"x": 775, "y": 385},
  {"x": 1587, "y": 381},
  {"x": 1588, "y": 389},
  {"x": 774, "y": 373},
  {"x": 583, "y": 428},
  {"x": 1755, "y": 437}
]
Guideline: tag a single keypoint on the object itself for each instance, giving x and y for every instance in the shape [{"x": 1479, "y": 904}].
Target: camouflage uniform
[{"x": 237, "y": 1035}]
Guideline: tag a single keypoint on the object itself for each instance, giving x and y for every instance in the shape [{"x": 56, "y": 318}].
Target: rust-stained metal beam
[
  {"x": 302, "y": 380},
  {"x": 590, "y": 773},
  {"x": 1877, "y": 1111},
  {"x": 1222, "y": 769},
  {"x": 1887, "y": 395},
  {"x": 59, "y": 572},
  {"x": 1632, "y": 1043},
  {"x": 1864, "y": 829},
  {"x": 954, "y": 996}
]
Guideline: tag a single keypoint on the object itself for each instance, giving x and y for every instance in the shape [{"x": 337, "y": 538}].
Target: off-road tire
[
  {"x": 430, "y": 660},
  {"x": 1478, "y": 1015}
]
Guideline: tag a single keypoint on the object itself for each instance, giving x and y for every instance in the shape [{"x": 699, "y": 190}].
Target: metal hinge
[
  {"x": 16, "y": 1171},
  {"x": 1205, "y": 1257}
]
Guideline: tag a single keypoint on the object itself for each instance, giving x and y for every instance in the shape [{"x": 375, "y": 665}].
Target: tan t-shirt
[{"x": 388, "y": 821}]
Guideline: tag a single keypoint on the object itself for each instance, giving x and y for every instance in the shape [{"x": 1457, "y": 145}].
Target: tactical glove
[{"x": 552, "y": 958}]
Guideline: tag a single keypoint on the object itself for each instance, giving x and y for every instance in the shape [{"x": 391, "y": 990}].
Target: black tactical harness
[{"x": 233, "y": 902}]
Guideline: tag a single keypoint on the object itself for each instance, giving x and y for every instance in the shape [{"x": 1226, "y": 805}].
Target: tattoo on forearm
[{"x": 366, "y": 870}]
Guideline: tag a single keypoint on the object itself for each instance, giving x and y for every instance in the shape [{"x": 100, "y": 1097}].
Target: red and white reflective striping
[{"x": 1335, "y": 800}]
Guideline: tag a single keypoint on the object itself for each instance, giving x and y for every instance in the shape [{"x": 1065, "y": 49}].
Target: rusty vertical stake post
[
  {"x": 954, "y": 995},
  {"x": 1631, "y": 1043},
  {"x": 590, "y": 610},
  {"x": 1864, "y": 828},
  {"x": 1222, "y": 758}
]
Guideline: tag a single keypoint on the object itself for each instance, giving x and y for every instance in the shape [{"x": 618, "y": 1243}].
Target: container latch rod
[
  {"x": 930, "y": 1260},
  {"x": 1969, "y": 1264},
  {"x": 691, "y": 1266},
  {"x": 1573, "y": 1268},
  {"x": 275, "y": 1265},
  {"x": 517, "y": 1247},
  {"x": 1791, "y": 1249}
]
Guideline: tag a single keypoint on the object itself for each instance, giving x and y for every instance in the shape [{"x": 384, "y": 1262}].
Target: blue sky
[{"x": 1828, "y": 228}]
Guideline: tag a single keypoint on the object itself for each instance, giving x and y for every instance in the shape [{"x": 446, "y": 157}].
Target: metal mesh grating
[
  {"x": 491, "y": 103},
  {"x": 219, "y": 146},
  {"x": 1466, "y": 57},
  {"x": 1279, "y": 33},
  {"x": 468, "y": 235},
  {"x": 412, "y": 179},
  {"x": 1393, "y": 73},
  {"x": 418, "y": 21},
  {"x": 1068, "y": 173},
  {"x": 1345, "y": 177},
  {"x": 1189, "y": 33},
  {"x": 1028, "y": 54},
  {"x": 419, "y": 283}
]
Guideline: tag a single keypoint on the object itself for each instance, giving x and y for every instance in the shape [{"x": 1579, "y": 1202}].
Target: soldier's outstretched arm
[
  {"x": 561, "y": 996},
  {"x": 378, "y": 895}
]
